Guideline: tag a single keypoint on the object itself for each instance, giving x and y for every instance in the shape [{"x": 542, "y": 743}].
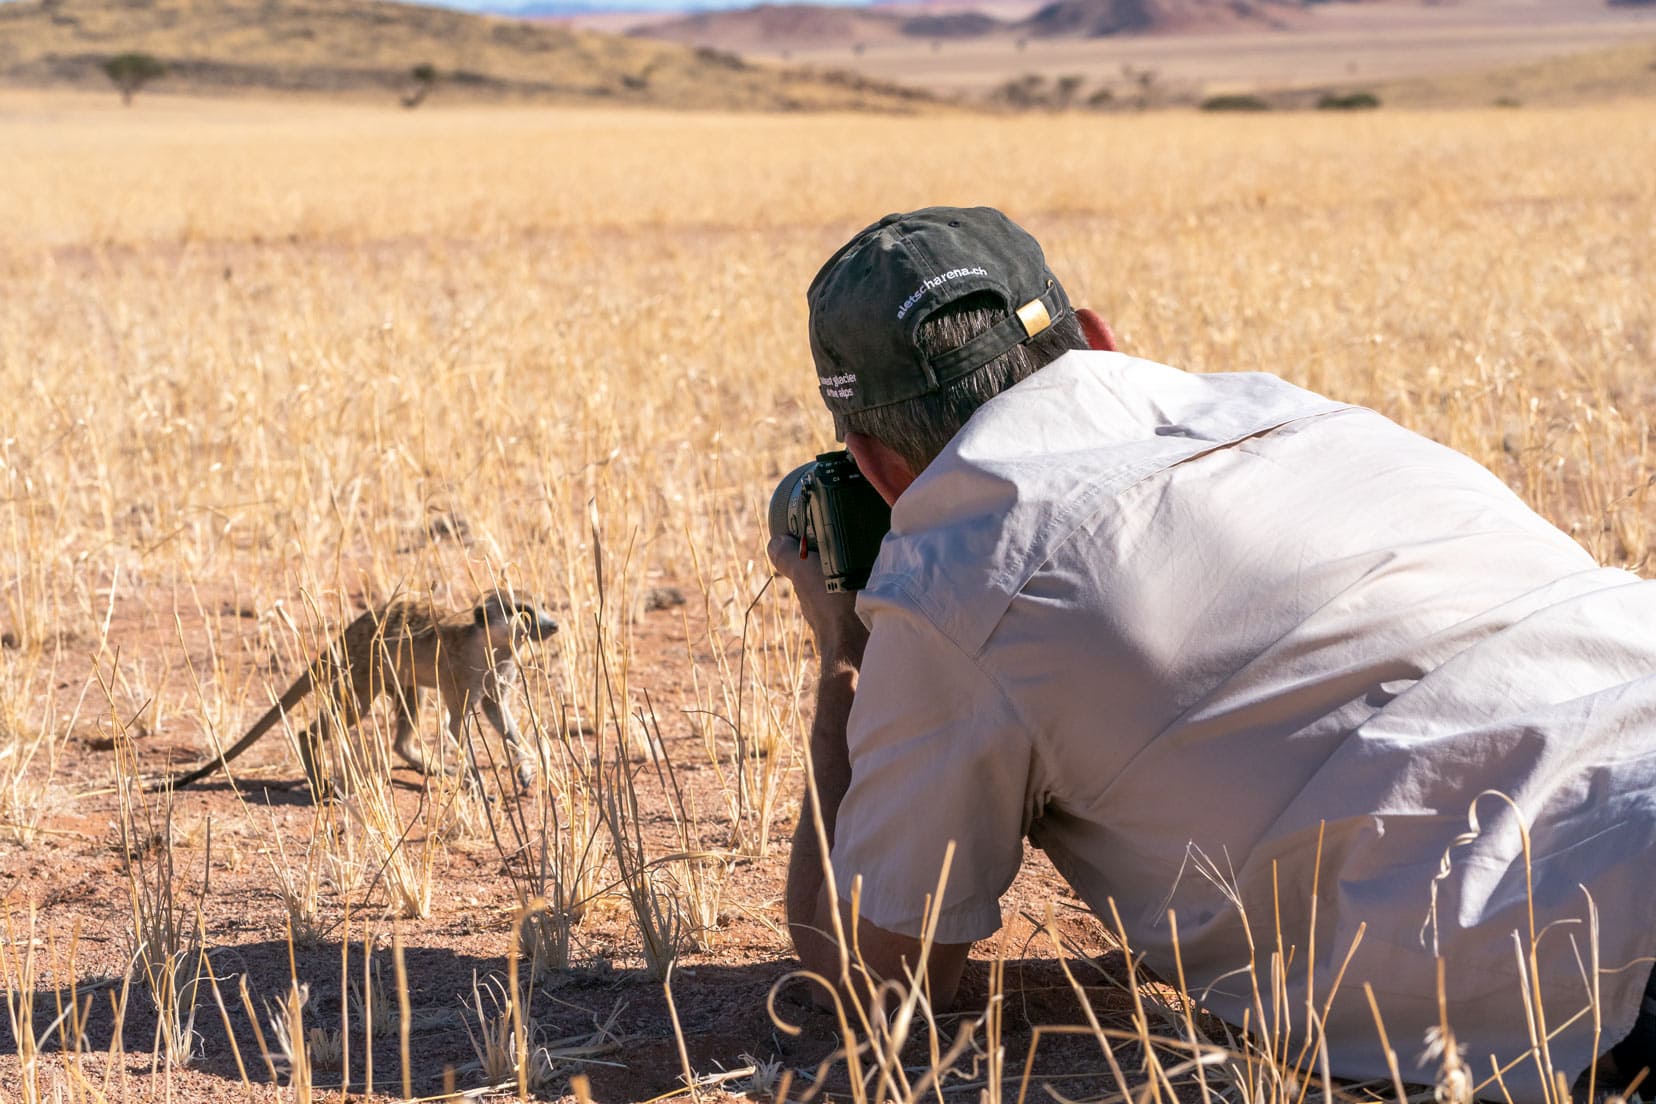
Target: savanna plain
[{"x": 264, "y": 366}]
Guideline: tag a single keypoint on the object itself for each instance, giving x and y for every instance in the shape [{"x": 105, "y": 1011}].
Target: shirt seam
[{"x": 1063, "y": 523}]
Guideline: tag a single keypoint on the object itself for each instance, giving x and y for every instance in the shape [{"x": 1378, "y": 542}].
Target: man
[{"x": 1212, "y": 641}]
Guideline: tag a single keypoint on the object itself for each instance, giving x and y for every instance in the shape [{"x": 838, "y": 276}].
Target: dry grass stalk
[
  {"x": 224, "y": 1019},
  {"x": 287, "y": 1027},
  {"x": 751, "y": 772},
  {"x": 657, "y": 914},
  {"x": 553, "y": 851},
  {"x": 694, "y": 874},
  {"x": 370, "y": 1001},
  {"x": 301, "y": 890},
  {"x": 168, "y": 947},
  {"x": 17, "y": 969},
  {"x": 507, "y": 1041},
  {"x": 404, "y": 1010},
  {"x": 407, "y": 871},
  {"x": 23, "y": 799}
]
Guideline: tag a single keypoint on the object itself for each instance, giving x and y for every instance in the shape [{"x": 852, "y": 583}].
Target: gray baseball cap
[{"x": 868, "y": 301}]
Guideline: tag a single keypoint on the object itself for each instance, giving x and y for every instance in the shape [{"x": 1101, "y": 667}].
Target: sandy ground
[{"x": 73, "y": 877}]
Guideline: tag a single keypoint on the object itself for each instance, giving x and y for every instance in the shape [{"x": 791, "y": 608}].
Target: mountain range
[{"x": 774, "y": 26}]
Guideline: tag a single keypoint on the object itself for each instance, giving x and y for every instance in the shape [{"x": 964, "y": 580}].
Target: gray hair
[{"x": 917, "y": 429}]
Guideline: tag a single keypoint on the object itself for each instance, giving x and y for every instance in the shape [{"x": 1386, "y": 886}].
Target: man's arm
[{"x": 841, "y": 638}]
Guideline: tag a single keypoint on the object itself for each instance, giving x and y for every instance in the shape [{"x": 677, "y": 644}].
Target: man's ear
[
  {"x": 1096, "y": 331},
  {"x": 881, "y": 466}
]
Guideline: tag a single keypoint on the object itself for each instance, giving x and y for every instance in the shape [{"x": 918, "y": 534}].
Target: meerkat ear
[{"x": 481, "y": 615}]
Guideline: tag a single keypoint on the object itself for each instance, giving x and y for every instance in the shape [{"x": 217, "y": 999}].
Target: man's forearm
[
  {"x": 831, "y": 776},
  {"x": 884, "y": 954}
]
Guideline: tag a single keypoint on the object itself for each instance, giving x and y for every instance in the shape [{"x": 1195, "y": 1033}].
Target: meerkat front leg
[
  {"x": 312, "y": 744},
  {"x": 500, "y": 716},
  {"x": 462, "y": 742}
]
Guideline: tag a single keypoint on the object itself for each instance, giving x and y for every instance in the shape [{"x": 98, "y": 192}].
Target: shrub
[
  {"x": 722, "y": 59},
  {"x": 1351, "y": 101},
  {"x": 1064, "y": 89},
  {"x": 1236, "y": 101},
  {"x": 1028, "y": 90}
]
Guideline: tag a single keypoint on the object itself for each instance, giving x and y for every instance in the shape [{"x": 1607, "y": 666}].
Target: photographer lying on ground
[{"x": 1177, "y": 629}]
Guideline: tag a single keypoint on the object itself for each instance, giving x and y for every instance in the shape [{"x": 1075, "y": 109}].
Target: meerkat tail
[{"x": 294, "y": 694}]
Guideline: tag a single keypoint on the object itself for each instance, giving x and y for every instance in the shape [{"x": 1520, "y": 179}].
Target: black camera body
[{"x": 829, "y": 506}]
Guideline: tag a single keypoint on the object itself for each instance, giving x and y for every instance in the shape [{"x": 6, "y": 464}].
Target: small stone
[{"x": 660, "y": 598}]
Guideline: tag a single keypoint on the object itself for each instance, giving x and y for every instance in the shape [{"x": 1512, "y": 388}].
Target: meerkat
[{"x": 398, "y": 650}]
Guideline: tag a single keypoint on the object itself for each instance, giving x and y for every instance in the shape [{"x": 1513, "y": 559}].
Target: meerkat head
[{"x": 513, "y": 616}]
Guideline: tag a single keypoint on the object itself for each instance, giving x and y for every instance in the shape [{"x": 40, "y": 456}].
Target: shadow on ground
[{"x": 619, "y": 1018}]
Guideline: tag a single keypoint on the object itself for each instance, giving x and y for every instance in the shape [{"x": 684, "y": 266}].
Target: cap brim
[{"x": 839, "y": 425}]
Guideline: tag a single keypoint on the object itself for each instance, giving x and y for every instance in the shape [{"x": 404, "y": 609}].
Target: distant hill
[
  {"x": 369, "y": 47},
  {"x": 1096, "y": 18},
  {"x": 778, "y": 26},
  {"x": 966, "y": 24},
  {"x": 765, "y": 26},
  {"x": 1626, "y": 72}
]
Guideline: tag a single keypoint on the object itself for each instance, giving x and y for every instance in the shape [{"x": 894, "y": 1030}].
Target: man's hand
[{"x": 840, "y": 634}]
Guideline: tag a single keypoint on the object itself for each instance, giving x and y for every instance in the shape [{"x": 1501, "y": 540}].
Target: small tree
[
  {"x": 424, "y": 76},
  {"x": 1065, "y": 88},
  {"x": 130, "y": 72}
]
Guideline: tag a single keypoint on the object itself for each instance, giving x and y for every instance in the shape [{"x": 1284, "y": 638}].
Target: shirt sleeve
[{"x": 937, "y": 754}]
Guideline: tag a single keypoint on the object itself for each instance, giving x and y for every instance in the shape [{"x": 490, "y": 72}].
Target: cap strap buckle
[{"x": 1034, "y": 317}]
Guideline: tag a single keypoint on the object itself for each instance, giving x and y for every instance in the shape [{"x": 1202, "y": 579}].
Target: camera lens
[{"x": 788, "y": 515}]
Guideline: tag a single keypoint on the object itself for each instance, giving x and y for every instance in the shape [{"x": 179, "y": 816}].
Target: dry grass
[{"x": 251, "y": 351}]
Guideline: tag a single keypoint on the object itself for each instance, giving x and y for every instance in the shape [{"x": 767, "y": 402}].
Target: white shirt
[{"x": 1178, "y": 627}]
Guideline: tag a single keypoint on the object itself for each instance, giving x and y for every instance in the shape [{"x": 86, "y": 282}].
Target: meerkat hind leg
[
  {"x": 313, "y": 742},
  {"x": 407, "y": 745}
]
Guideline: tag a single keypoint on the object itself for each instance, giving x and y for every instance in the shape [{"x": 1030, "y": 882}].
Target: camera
[{"x": 829, "y": 506}]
